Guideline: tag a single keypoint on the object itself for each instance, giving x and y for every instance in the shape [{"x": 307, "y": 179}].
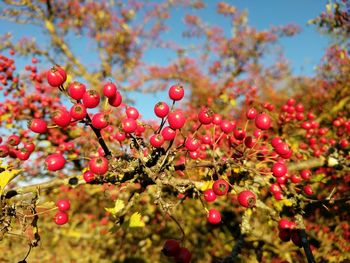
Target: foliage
[{"x": 271, "y": 148}]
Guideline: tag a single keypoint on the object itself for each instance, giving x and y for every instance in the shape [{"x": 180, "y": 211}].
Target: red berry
[
  {"x": 176, "y": 119},
  {"x": 251, "y": 113},
  {"x": 37, "y": 125},
  {"x": 61, "y": 218},
  {"x": 176, "y": 92},
  {"x": 305, "y": 174},
  {"x": 308, "y": 190},
  {"x": 284, "y": 224},
  {"x": 239, "y": 134},
  {"x": 214, "y": 216},
  {"x": 205, "y": 116},
  {"x": 263, "y": 121},
  {"x": 23, "y": 154},
  {"x": 116, "y": 100},
  {"x": 161, "y": 109},
  {"x": 220, "y": 187},
  {"x": 120, "y": 136},
  {"x": 132, "y": 113},
  {"x": 217, "y": 119},
  {"x": 295, "y": 237},
  {"x": 109, "y": 90},
  {"x": 63, "y": 205},
  {"x": 192, "y": 144},
  {"x": 284, "y": 235},
  {"x": 55, "y": 162},
  {"x": 209, "y": 195},
  {"x": 184, "y": 256},
  {"x": 88, "y": 176},
  {"x": 129, "y": 125},
  {"x": 61, "y": 117},
  {"x": 247, "y": 198},
  {"x": 168, "y": 133},
  {"x": 91, "y": 99},
  {"x": 100, "y": 120},
  {"x": 78, "y": 111},
  {"x": 13, "y": 140},
  {"x": 295, "y": 179},
  {"x": 250, "y": 141},
  {"x": 156, "y": 140},
  {"x": 76, "y": 90},
  {"x": 98, "y": 165},
  {"x": 282, "y": 148},
  {"x": 279, "y": 169},
  {"x": 56, "y": 76},
  {"x": 29, "y": 146},
  {"x": 227, "y": 126},
  {"x": 4, "y": 151},
  {"x": 171, "y": 248}
]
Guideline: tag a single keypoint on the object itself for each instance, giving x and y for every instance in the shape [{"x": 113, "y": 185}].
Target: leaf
[
  {"x": 206, "y": 185},
  {"x": 119, "y": 205},
  {"x": 5, "y": 177},
  {"x": 136, "y": 221}
]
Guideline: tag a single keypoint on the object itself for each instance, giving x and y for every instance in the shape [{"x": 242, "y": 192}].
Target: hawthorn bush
[{"x": 230, "y": 169}]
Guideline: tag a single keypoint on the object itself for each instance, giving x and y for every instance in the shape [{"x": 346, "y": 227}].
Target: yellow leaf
[
  {"x": 119, "y": 205},
  {"x": 49, "y": 26},
  {"x": 206, "y": 185},
  {"x": 136, "y": 221},
  {"x": 6, "y": 176}
]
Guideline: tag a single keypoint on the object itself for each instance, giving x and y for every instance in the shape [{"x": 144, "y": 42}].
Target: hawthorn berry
[
  {"x": 156, "y": 140},
  {"x": 161, "y": 109},
  {"x": 37, "y": 125},
  {"x": 171, "y": 248},
  {"x": 91, "y": 99},
  {"x": 279, "y": 169},
  {"x": 239, "y": 134},
  {"x": 13, "y": 140},
  {"x": 23, "y": 154},
  {"x": 176, "y": 92},
  {"x": 308, "y": 190},
  {"x": 184, "y": 256},
  {"x": 305, "y": 174},
  {"x": 63, "y": 205},
  {"x": 29, "y": 146},
  {"x": 205, "y": 116},
  {"x": 78, "y": 111},
  {"x": 116, "y": 100},
  {"x": 4, "y": 151},
  {"x": 55, "y": 162},
  {"x": 61, "y": 218},
  {"x": 227, "y": 126},
  {"x": 76, "y": 90},
  {"x": 209, "y": 195},
  {"x": 100, "y": 120},
  {"x": 168, "y": 133},
  {"x": 220, "y": 187},
  {"x": 61, "y": 117},
  {"x": 56, "y": 76},
  {"x": 88, "y": 176},
  {"x": 176, "y": 119},
  {"x": 192, "y": 144},
  {"x": 246, "y": 198},
  {"x": 263, "y": 121},
  {"x": 98, "y": 165},
  {"x": 132, "y": 113},
  {"x": 214, "y": 216},
  {"x": 251, "y": 113},
  {"x": 129, "y": 125},
  {"x": 109, "y": 90}
]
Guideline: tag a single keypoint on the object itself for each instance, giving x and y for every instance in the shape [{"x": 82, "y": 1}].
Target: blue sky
[{"x": 303, "y": 51}]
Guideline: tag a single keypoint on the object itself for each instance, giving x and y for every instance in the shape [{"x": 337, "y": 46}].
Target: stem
[
  {"x": 306, "y": 246},
  {"x": 101, "y": 141}
]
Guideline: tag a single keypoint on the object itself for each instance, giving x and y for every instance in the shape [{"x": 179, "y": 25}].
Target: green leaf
[
  {"x": 119, "y": 205},
  {"x": 6, "y": 176},
  {"x": 136, "y": 221}
]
